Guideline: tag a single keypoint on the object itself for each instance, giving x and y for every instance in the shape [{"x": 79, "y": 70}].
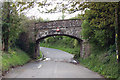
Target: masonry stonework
[{"x": 70, "y": 28}]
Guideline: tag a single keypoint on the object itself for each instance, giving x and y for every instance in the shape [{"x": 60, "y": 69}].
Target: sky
[{"x": 50, "y": 16}]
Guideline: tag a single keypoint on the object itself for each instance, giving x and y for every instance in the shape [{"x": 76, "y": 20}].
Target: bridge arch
[
  {"x": 38, "y": 40},
  {"x": 71, "y": 28}
]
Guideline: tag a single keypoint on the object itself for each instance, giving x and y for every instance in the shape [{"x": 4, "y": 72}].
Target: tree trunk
[
  {"x": 5, "y": 26},
  {"x": 117, "y": 34}
]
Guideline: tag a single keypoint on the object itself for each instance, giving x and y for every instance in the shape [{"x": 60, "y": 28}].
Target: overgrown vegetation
[
  {"x": 15, "y": 57},
  {"x": 103, "y": 62},
  {"x": 41, "y": 55},
  {"x": 25, "y": 44},
  {"x": 11, "y": 29},
  {"x": 16, "y": 29},
  {"x": 98, "y": 28}
]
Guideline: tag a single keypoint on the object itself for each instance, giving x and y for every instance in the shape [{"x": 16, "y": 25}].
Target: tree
[
  {"x": 101, "y": 19},
  {"x": 15, "y": 27},
  {"x": 117, "y": 28},
  {"x": 5, "y": 26},
  {"x": 10, "y": 25}
]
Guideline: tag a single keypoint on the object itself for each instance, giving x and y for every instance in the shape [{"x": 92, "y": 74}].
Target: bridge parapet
[
  {"x": 59, "y": 23},
  {"x": 67, "y": 27}
]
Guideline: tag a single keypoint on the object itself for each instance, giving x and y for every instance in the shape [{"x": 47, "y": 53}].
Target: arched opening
[
  {"x": 71, "y": 44},
  {"x": 38, "y": 40}
]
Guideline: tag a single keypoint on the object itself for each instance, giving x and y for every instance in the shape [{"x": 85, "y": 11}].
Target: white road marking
[
  {"x": 47, "y": 59},
  {"x": 39, "y": 66}
]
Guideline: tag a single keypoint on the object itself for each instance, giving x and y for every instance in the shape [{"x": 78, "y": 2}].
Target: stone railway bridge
[{"x": 71, "y": 28}]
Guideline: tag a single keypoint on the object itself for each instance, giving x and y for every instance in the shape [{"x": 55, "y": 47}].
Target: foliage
[
  {"x": 10, "y": 25},
  {"x": 23, "y": 41},
  {"x": 41, "y": 56},
  {"x": 86, "y": 29},
  {"x": 31, "y": 49},
  {"x": 99, "y": 26},
  {"x": 14, "y": 27},
  {"x": 15, "y": 57},
  {"x": 104, "y": 63},
  {"x": 5, "y": 25},
  {"x": 26, "y": 44},
  {"x": 13, "y": 23},
  {"x": 98, "y": 21}
]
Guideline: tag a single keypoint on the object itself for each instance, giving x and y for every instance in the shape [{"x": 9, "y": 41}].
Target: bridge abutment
[
  {"x": 37, "y": 50},
  {"x": 84, "y": 49}
]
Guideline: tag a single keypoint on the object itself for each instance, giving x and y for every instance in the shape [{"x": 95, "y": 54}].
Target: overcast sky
[{"x": 51, "y": 16}]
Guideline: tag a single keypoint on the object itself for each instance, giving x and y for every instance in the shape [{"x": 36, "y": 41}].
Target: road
[{"x": 56, "y": 65}]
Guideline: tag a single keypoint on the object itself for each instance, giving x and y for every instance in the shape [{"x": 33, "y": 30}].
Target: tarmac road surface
[{"x": 57, "y": 64}]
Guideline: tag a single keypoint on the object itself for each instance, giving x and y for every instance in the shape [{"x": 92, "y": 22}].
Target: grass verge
[
  {"x": 41, "y": 56},
  {"x": 104, "y": 64},
  {"x": 103, "y": 61},
  {"x": 15, "y": 57}
]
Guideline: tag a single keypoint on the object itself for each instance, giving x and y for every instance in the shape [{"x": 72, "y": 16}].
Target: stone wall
[{"x": 67, "y": 27}]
